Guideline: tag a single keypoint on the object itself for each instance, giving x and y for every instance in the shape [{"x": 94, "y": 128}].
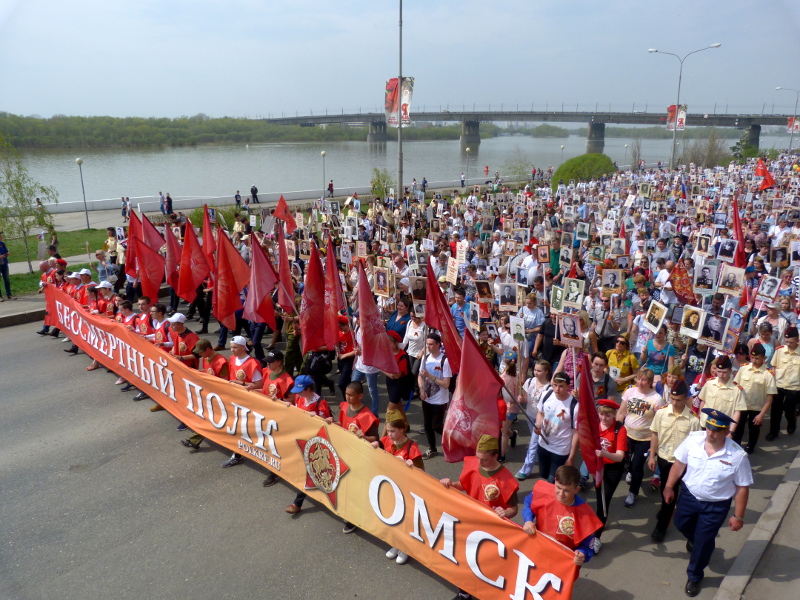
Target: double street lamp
[
  {"x": 678, "y": 101},
  {"x": 794, "y": 114}
]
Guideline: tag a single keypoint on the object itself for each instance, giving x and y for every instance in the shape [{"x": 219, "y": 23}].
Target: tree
[
  {"x": 636, "y": 152},
  {"x": 19, "y": 211},
  {"x": 518, "y": 167},
  {"x": 706, "y": 153},
  {"x": 583, "y": 168},
  {"x": 380, "y": 183}
]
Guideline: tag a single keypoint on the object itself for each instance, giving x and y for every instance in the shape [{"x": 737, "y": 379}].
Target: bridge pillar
[
  {"x": 595, "y": 138},
  {"x": 377, "y": 132},
  {"x": 470, "y": 133},
  {"x": 753, "y": 133}
]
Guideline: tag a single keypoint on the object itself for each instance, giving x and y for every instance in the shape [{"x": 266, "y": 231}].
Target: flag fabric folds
[
  {"x": 682, "y": 283},
  {"x": 151, "y": 268},
  {"x": 231, "y": 276},
  {"x": 375, "y": 348},
  {"x": 285, "y": 285},
  {"x": 134, "y": 230},
  {"x": 194, "y": 267},
  {"x": 334, "y": 301},
  {"x": 761, "y": 171},
  {"x": 438, "y": 316},
  {"x": 312, "y": 305},
  {"x": 172, "y": 261},
  {"x": 739, "y": 256},
  {"x": 263, "y": 279},
  {"x": 283, "y": 213},
  {"x": 150, "y": 235},
  {"x": 589, "y": 423},
  {"x": 209, "y": 245},
  {"x": 473, "y": 407}
]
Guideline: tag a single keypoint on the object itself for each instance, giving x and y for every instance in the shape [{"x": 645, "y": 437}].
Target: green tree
[
  {"x": 380, "y": 182},
  {"x": 19, "y": 211},
  {"x": 549, "y": 131},
  {"x": 583, "y": 168},
  {"x": 517, "y": 169}
]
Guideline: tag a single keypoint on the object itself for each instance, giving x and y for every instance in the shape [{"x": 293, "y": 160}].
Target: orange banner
[{"x": 450, "y": 533}]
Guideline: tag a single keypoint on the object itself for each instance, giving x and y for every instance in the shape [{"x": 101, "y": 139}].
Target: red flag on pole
[
  {"x": 258, "y": 305},
  {"x": 375, "y": 348},
  {"x": 151, "y": 268},
  {"x": 173, "y": 258},
  {"x": 209, "y": 245},
  {"x": 761, "y": 171},
  {"x": 682, "y": 283},
  {"x": 134, "y": 230},
  {"x": 285, "y": 285},
  {"x": 623, "y": 234},
  {"x": 150, "y": 235},
  {"x": 334, "y": 301},
  {"x": 589, "y": 424},
  {"x": 438, "y": 316},
  {"x": 231, "y": 277},
  {"x": 282, "y": 212},
  {"x": 739, "y": 256},
  {"x": 194, "y": 267},
  {"x": 312, "y": 305},
  {"x": 473, "y": 407}
]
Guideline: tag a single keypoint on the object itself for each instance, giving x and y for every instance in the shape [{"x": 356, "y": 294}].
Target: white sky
[{"x": 251, "y": 58}]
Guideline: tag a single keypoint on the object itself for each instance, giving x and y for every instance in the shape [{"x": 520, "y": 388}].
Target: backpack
[
  {"x": 572, "y": 406},
  {"x": 319, "y": 363}
]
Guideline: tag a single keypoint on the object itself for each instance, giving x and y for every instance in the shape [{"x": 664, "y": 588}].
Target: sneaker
[
  {"x": 656, "y": 482},
  {"x": 583, "y": 483},
  {"x": 126, "y": 388},
  {"x": 348, "y": 527},
  {"x": 519, "y": 475},
  {"x": 139, "y": 396},
  {"x": 429, "y": 454},
  {"x": 41, "y": 332},
  {"x": 392, "y": 553},
  {"x": 422, "y": 430},
  {"x": 232, "y": 461},
  {"x": 502, "y": 458},
  {"x": 270, "y": 480},
  {"x": 512, "y": 440},
  {"x": 182, "y": 427},
  {"x": 628, "y": 478},
  {"x": 596, "y": 545},
  {"x": 630, "y": 500},
  {"x": 402, "y": 558}
]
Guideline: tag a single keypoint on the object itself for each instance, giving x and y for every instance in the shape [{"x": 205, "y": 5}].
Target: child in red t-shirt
[{"x": 614, "y": 442}]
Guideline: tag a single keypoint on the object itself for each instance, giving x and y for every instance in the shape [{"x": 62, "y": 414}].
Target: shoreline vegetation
[{"x": 62, "y": 131}]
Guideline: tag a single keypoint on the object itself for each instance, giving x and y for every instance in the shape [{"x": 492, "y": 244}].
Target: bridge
[{"x": 595, "y": 136}]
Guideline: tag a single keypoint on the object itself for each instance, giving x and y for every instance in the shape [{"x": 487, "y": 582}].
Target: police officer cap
[
  {"x": 716, "y": 420},
  {"x": 724, "y": 363},
  {"x": 679, "y": 389},
  {"x": 487, "y": 443}
]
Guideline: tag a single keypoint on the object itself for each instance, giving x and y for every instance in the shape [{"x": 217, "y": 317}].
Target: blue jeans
[
  {"x": 6, "y": 280},
  {"x": 549, "y": 462},
  {"x": 372, "y": 385},
  {"x": 530, "y": 455}
]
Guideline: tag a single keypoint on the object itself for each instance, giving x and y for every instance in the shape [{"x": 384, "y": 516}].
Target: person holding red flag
[{"x": 613, "y": 446}]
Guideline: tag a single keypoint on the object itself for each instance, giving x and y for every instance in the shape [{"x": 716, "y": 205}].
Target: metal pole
[
  {"x": 791, "y": 134},
  {"x": 677, "y": 110},
  {"x": 400, "y": 109},
  {"x": 83, "y": 189}
]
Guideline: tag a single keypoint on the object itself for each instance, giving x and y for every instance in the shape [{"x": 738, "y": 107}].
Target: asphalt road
[{"x": 98, "y": 499}]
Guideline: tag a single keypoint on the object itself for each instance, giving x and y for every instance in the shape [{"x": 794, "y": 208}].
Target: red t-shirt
[
  {"x": 346, "y": 342},
  {"x": 612, "y": 442},
  {"x": 498, "y": 490}
]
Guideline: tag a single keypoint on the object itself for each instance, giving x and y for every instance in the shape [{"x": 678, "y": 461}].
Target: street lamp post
[
  {"x": 562, "y": 153},
  {"x": 79, "y": 162},
  {"x": 625, "y": 160},
  {"x": 678, "y": 101},
  {"x": 794, "y": 114},
  {"x": 467, "y": 177},
  {"x": 324, "y": 179}
]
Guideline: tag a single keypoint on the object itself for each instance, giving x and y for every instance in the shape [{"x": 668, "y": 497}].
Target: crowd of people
[{"x": 679, "y": 290}]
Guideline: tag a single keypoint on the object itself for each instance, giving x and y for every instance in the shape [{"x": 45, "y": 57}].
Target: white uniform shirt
[{"x": 713, "y": 478}]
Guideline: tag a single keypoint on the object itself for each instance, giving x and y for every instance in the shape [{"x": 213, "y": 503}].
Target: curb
[
  {"x": 737, "y": 578},
  {"x": 21, "y": 318}
]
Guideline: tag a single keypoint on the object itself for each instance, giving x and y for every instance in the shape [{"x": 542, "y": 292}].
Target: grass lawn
[
  {"x": 23, "y": 285},
  {"x": 71, "y": 243}
]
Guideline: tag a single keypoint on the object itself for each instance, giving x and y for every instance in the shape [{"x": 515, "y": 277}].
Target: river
[{"x": 219, "y": 170}]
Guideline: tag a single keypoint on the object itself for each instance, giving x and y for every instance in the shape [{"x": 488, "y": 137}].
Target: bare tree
[
  {"x": 636, "y": 152},
  {"x": 518, "y": 167},
  {"x": 19, "y": 211},
  {"x": 710, "y": 152}
]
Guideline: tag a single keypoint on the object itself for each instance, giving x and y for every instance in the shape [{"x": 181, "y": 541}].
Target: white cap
[
  {"x": 105, "y": 285},
  {"x": 177, "y": 318},
  {"x": 72, "y": 276},
  {"x": 84, "y": 272},
  {"x": 405, "y": 281},
  {"x": 239, "y": 339}
]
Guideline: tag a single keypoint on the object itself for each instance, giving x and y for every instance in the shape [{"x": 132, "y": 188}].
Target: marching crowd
[{"x": 678, "y": 291}]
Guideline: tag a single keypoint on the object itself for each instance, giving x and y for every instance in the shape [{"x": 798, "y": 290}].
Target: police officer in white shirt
[{"x": 715, "y": 471}]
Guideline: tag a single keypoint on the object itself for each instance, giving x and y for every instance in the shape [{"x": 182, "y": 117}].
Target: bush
[
  {"x": 583, "y": 167},
  {"x": 549, "y": 131}
]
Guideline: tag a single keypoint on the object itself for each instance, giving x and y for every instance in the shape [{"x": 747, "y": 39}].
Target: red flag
[
  {"x": 473, "y": 407},
  {"x": 438, "y": 316},
  {"x": 744, "y": 299},
  {"x": 150, "y": 235},
  {"x": 312, "y": 305},
  {"x": 739, "y": 256},
  {"x": 334, "y": 302},
  {"x": 682, "y": 283},
  {"x": 761, "y": 171},
  {"x": 134, "y": 230},
  {"x": 285, "y": 285},
  {"x": 151, "y": 268},
  {"x": 258, "y": 305},
  {"x": 589, "y": 423},
  {"x": 282, "y": 212},
  {"x": 209, "y": 245},
  {"x": 375, "y": 349},
  {"x": 173, "y": 258},
  {"x": 231, "y": 277},
  {"x": 624, "y": 236},
  {"x": 194, "y": 267}
]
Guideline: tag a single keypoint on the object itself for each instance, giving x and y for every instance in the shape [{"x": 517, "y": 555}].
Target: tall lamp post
[
  {"x": 79, "y": 162},
  {"x": 625, "y": 160},
  {"x": 467, "y": 179},
  {"x": 678, "y": 101},
  {"x": 562, "y": 153},
  {"x": 794, "y": 114},
  {"x": 400, "y": 189},
  {"x": 324, "y": 179}
]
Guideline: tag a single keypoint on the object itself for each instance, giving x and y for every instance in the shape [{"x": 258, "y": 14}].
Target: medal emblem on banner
[{"x": 324, "y": 467}]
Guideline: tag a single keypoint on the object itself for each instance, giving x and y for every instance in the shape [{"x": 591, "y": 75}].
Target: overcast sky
[{"x": 259, "y": 57}]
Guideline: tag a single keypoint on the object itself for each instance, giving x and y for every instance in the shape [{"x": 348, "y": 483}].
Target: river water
[{"x": 219, "y": 170}]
